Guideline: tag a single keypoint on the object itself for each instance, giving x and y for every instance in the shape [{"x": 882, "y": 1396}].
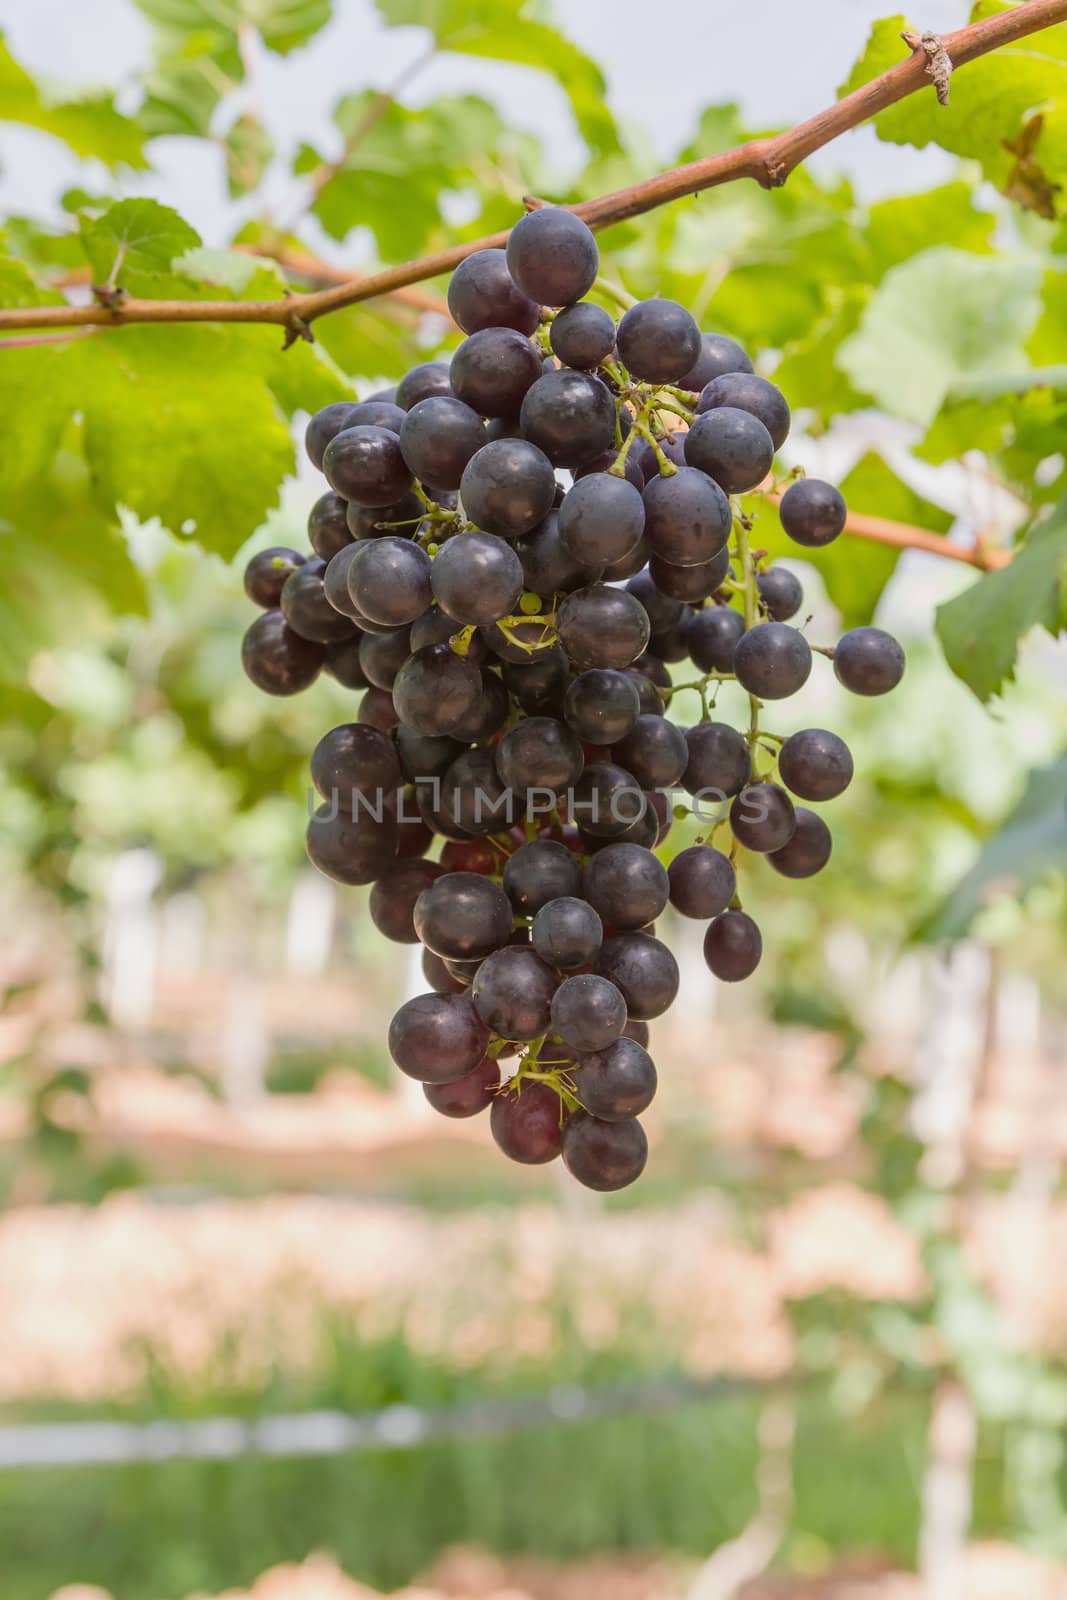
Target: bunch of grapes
[{"x": 513, "y": 548}]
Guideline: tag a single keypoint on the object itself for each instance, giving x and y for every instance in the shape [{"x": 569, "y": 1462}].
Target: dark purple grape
[
  {"x": 307, "y": 610},
  {"x": 651, "y": 703},
  {"x": 539, "y": 872},
  {"x": 422, "y": 383},
  {"x": 513, "y": 992},
  {"x": 538, "y": 683},
  {"x": 353, "y": 759},
  {"x": 424, "y": 756},
  {"x": 438, "y": 438},
  {"x": 437, "y": 627},
  {"x": 762, "y": 817},
  {"x": 772, "y": 660},
  {"x": 528, "y": 1125},
  {"x": 690, "y": 584},
  {"x": 570, "y": 416},
  {"x": 473, "y": 797},
  {"x": 815, "y": 764},
  {"x": 335, "y": 583},
  {"x": 808, "y": 851},
  {"x": 658, "y": 341},
  {"x": 639, "y": 557},
  {"x": 733, "y": 946},
  {"x": 483, "y": 294},
  {"x": 266, "y": 573},
  {"x": 606, "y": 801},
  {"x": 567, "y": 933},
  {"x": 617, "y": 1082},
  {"x": 328, "y": 530},
  {"x": 492, "y": 370},
  {"x": 582, "y": 336},
  {"x": 463, "y": 916},
  {"x": 389, "y": 581},
  {"x": 602, "y": 627},
  {"x": 548, "y": 567},
  {"x": 377, "y": 710},
  {"x": 655, "y": 751},
  {"x": 365, "y": 465},
  {"x": 439, "y": 978},
  {"x": 276, "y": 659},
  {"x": 718, "y": 354},
  {"x": 604, "y": 1156},
  {"x": 643, "y": 969},
  {"x": 662, "y": 611},
  {"x": 324, "y": 426},
  {"x": 812, "y": 513},
  {"x": 687, "y": 518},
  {"x": 747, "y": 392},
  {"x": 466, "y": 1096},
  {"x": 477, "y": 578},
  {"x": 381, "y": 655},
  {"x": 868, "y": 661},
  {"x": 349, "y": 847},
  {"x": 702, "y": 881},
  {"x": 626, "y": 886},
  {"x": 523, "y": 643},
  {"x": 601, "y": 706},
  {"x": 508, "y": 487},
  {"x": 392, "y": 900},
  {"x": 601, "y": 519},
  {"x": 673, "y": 644},
  {"x": 719, "y": 762},
  {"x": 712, "y": 638},
  {"x": 553, "y": 256},
  {"x": 377, "y": 414},
  {"x": 437, "y": 1038},
  {"x": 436, "y": 690},
  {"x": 731, "y": 446},
  {"x": 371, "y": 522},
  {"x": 342, "y": 663},
  {"x": 781, "y": 593},
  {"x": 539, "y": 753},
  {"x": 588, "y": 1012},
  {"x": 631, "y": 471},
  {"x": 651, "y": 667},
  {"x": 489, "y": 715},
  {"x": 638, "y": 1031}
]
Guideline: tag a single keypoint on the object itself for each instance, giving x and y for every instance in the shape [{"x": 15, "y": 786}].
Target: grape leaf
[
  {"x": 134, "y": 239},
  {"x": 207, "y": 28},
  {"x": 1007, "y": 110},
  {"x": 1030, "y": 846},
  {"x": 90, "y": 126},
  {"x": 981, "y": 628},
  {"x": 248, "y": 150},
  {"x": 910, "y": 223},
  {"x": 512, "y": 30},
  {"x": 941, "y": 316}
]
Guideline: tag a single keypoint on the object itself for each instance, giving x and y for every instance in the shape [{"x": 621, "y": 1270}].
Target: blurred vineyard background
[{"x": 267, "y": 1326}]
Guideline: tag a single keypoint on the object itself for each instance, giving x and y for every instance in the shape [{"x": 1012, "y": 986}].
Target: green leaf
[
  {"x": 981, "y": 628},
  {"x": 1031, "y": 845},
  {"x": 910, "y": 223},
  {"x": 512, "y": 30},
  {"x": 90, "y": 126},
  {"x": 17, "y": 287},
  {"x": 1007, "y": 110},
  {"x": 135, "y": 238},
  {"x": 942, "y": 316},
  {"x": 205, "y": 27},
  {"x": 248, "y": 150}
]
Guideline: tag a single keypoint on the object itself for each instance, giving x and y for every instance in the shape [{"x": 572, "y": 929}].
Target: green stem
[
  {"x": 616, "y": 292},
  {"x": 750, "y": 602}
]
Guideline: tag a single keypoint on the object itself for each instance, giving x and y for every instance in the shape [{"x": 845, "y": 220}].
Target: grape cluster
[{"x": 512, "y": 549}]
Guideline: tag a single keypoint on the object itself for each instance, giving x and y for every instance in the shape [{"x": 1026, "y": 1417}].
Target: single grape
[
  {"x": 437, "y": 1038},
  {"x": 466, "y": 1096},
  {"x": 477, "y": 578},
  {"x": 353, "y": 759},
  {"x": 602, "y": 627},
  {"x": 687, "y": 518},
  {"x": 483, "y": 294},
  {"x": 815, "y": 764},
  {"x": 324, "y": 426},
  {"x": 762, "y": 817},
  {"x": 673, "y": 644},
  {"x": 772, "y": 660},
  {"x": 349, "y": 847},
  {"x": 567, "y": 933},
  {"x": 808, "y": 851},
  {"x": 513, "y": 992},
  {"x": 645, "y": 971},
  {"x": 588, "y": 1012},
  {"x": 422, "y": 383},
  {"x": 489, "y": 715},
  {"x": 436, "y": 690},
  {"x": 868, "y": 661},
  {"x": 712, "y": 638},
  {"x": 538, "y": 872},
  {"x": 266, "y": 573},
  {"x": 617, "y": 1082},
  {"x": 639, "y": 557},
  {"x": 731, "y": 446},
  {"x": 781, "y": 593},
  {"x": 606, "y": 801},
  {"x": 463, "y": 916},
  {"x": 365, "y": 465},
  {"x": 381, "y": 655},
  {"x": 371, "y": 522},
  {"x": 733, "y": 946},
  {"x": 335, "y": 584},
  {"x": 539, "y": 753},
  {"x": 307, "y": 610},
  {"x": 601, "y": 705},
  {"x": 528, "y": 1125},
  {"x": 522, "y": 644},
  {"x": 718, "y": 354},
  {"x": 638, "y": 1031},
  {"x": 582, "y": 336},
  {"x": 655, "y": 751},
  {"x": 671, "y": 445},
  {"x": 424, "y": 756},
  {"x": 377, "y": 710},
  {"x": 747, "y": 392},
  {"x": 393, "y": 897},
  {"x": 569, "y": 415},
  {"x": 439, "y": 978},
  {"x": 604, "y": 1156},
  {"x": 276, "y": 659},
  {"x": 437, "y": 627},
  {"x": 328, "y": 529},
  {"x": 389, "y": 581},
  {"x": 438, "y": 438},
  {"x": 658, "y": 341},
  {"x": 553, "y": 256},
  {"x": 342, "y": 663},
  {"x": 492, "y": 370},
  {"x": 473, "y": 797},
  {"x": 812, "y": 513},
  {"x": 413, "y": 837},
  {"x": 548, "y": 566},
  {"x": 651, "y": 667},
  {"x": 538, "y": 683},
  {"x": 702, "y": 881},
  {"x": 661, "y": 609},
  {"x": 691, "y": 584},
  {"x": 626, "y": 886},
  {"x": 719, "y": 761},
  {"x": 508, "y": 487},
  {"x": 601, "y": 519}
]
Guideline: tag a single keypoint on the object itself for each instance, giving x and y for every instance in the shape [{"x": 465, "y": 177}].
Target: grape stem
[{"x": 750, "y": 602}]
